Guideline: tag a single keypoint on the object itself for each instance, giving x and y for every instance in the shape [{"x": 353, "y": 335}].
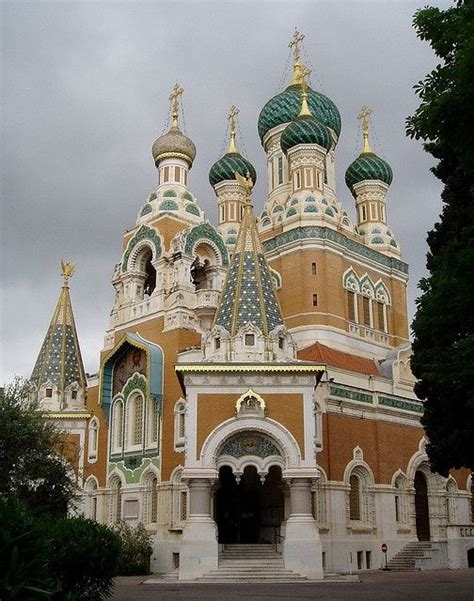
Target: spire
[
  {"x": 232, "y": 118},
  {"x": 248, "y": 294},
  {"x": 59, "y": 361},
  {"x": 304, "y": 112},
  {"x": 295, "y": 46},
  {"x": 174, "y": 98},
  {"x": 363, "y": 117}
]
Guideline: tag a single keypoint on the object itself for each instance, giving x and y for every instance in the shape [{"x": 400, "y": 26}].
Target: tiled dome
[
  {"x": 305, "y": 130},
  {"x": 368, "y": 166},
  {"x": 225, "y": 168}
]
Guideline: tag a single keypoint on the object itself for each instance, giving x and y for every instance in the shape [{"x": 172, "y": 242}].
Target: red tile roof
[{"x": 324, "y": 354}]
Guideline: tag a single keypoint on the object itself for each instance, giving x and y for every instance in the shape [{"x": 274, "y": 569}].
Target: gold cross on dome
[
  {"x": 295, "y": 44},
  {"x": 67, "y": 269},
  {"x": 232, "y": 117},
  {"x": 305, "y": 72},
  {"x": 174, "y": 97},
  {"x": 363, "y": 117}
]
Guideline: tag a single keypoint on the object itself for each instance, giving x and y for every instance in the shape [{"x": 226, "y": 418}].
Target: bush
[
  {"x": 135, "y": 551},
  {"x": 83, "y": 558},
  {"x": 24, "y": 553}
]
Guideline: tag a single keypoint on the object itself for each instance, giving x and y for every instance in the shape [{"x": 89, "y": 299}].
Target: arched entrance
[
  {"x": 247, "y": 510},
  {"x": 470, "y": 558},
  {"x": 422, "y": 507}
]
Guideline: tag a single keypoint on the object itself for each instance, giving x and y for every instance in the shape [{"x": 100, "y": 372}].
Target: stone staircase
[
  {"x": 251, "y": 563},
  {"x": 408, "y": 558}
]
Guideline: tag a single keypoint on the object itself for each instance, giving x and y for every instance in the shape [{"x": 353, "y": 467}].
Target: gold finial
[
  {"x": 67, "y": 269},
  {"x": 295, "y": 45},
  {"x": 304, "y": 112},
  {"x": 363, "y": 117},
  {"x": 232, "y": 117},
  {"x": 246, "y": 182},
  {"x": 174, "y": 98}
]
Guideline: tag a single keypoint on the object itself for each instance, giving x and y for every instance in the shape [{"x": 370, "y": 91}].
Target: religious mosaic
[{"x": 250, "y": 443}]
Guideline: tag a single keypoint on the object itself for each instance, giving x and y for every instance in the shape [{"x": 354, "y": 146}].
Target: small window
[
  {"x": 183, "y": 509},
  {"x": 364, "y": 213},
  {"x": 360, "y": 560},
  {"x": 397, "y": 508},
  {"x": 315, "y": 300},
  {"x": 366, "y": 310},
  {"x": 185, "y": 177},
  {"x": 217, "y": 343},
  {"x": 308, "y": 180},
  {"x": 297, "y": 180},
  {"x": 281, "y": 342},
  {"x": 177, "y": 174},
  {"x": 249, "y": 339},
  {"x": 325, "y": 170},
  {"x": 280, "y": 170},
  {"x": 166, "y": 174},
  {"x": 314, "y": 270},
  {"x": 381, "y": 317},
  {"x": 49, "y": 393},
  {"x": 74, "y": 395},
  {"x": 354, "y": 498},
  {"x": 382, "y": 213},
  {"x": 351, "y": 305}
]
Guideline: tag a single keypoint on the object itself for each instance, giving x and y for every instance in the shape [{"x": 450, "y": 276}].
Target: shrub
[
  {"x": 24, "y": 553},
  {"x": 83, "y": 558},
  {"x": 135, "y": 551}
]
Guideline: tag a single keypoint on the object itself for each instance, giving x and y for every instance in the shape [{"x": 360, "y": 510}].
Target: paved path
[{"x": 442, "y": 585}]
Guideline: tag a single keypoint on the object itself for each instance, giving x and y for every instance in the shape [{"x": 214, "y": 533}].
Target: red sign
[{"x": 384, "y": 548}]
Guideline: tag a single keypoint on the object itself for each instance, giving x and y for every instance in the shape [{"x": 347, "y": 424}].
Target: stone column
[
  {"x": 302, "y": 550},
  {"x": 199, "y": 551}
]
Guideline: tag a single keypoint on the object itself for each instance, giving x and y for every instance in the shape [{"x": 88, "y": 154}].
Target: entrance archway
[
  {"x": 422, "y": 507},
  {"x": 249, "y": 511}
]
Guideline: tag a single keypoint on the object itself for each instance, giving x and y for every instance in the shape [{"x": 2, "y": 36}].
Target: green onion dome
[
  {"x": 226, "y": 166},
  {"x": 368, "y": 166},
  {"x": 305, "y": 130},
  {"x": 285, "y": 107}
]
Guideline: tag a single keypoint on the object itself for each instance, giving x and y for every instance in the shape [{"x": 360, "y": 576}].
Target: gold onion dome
[
  {"x": 232, "y": 162},
  {"x": 174, "y": 143}
]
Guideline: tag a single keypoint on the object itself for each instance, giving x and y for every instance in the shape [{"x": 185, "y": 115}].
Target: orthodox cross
[
  {"x": 295, "y": 44},
  {"x": 67, "y": 269},
  {"x": 363, "y": 117},
  {"x": 305, "y": 72},
  {"x": 232, "y": 118},
  {"x": 174, "y": 97}
]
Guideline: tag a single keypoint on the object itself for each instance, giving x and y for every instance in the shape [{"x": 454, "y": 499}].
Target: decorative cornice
[
  {"x": 66, "y": 415},
  {"x": 249, "y": 367}
]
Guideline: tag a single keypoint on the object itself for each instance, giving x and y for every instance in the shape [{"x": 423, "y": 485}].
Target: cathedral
[{"x": 254, "y": 401}]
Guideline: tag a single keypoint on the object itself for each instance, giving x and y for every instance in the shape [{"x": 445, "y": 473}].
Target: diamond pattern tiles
[
  {"x": 59, "y": 361},
  {"x": 248, "y": 294}
]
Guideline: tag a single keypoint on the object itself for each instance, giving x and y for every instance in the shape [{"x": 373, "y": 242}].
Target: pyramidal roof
[
  {"x": 248, "y": 294},
  {"x": 59, "y": 361}
]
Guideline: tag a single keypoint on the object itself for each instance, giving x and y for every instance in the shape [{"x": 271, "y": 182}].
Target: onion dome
[
  {"x": 305, "y": 130},
  {"x": 367, "y": 166},
  {"x": 284, "y": 107},
  {"x": 232, "y": 162},
  {"x": 174, "y": 143}
]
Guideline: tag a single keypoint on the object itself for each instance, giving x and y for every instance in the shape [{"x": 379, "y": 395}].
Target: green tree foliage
[
  {"x": 443, "y": 327},
  {"x": 135, "y": 550},
  {"x": 32, "y": 451}
]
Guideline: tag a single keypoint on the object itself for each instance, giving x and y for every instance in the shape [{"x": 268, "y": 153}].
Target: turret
[
  {"x": 231, "y": 196},
  {"x": 368, "y": 178}
]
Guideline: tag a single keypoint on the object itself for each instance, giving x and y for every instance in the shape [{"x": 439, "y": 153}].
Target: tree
[
  {"x": 443, "y": 327},
  {"x": 33, "y": 467}
]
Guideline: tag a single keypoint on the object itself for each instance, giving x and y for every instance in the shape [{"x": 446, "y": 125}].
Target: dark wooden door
[{"x": 422, "y": 507}]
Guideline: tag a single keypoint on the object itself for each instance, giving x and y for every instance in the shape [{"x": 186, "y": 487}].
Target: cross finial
[
  {"x": 232, "y": 118},
  {"x": 67, "y": 269},
  {"x": 363, "y": 117},
  {"x": 295, "y": 44},
  {"x": 305, "y": 72},
  {"x": 174, "y": 98},
  {"x": 304, "y": 112}
]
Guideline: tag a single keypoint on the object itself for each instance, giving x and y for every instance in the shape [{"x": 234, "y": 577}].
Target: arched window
[
  {"x": 180, "y": 500},
  {"x": 152, "y": 422},
  {"x": 401, "y": 500},
  {"x": 117, "y": 427},
  {"x": 93, "y": 440},
  {"x": 90, "y": 489},
  {"x": 135, "y": 420},
  {"x": 151, "y": 500},
  {"x": 179, "y": 425},
  {"x": 354, "y": 498},
  {"x": 451, "y": 490},
  {"x": 115, "y": 514}
]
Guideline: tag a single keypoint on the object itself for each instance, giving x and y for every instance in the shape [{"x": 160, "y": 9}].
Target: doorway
[
  {"x": 422, "y": 507},
  {"x": 249, "y": 512}
]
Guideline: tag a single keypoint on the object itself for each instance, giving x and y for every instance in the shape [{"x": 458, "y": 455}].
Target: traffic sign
[{"x": 384, "y": 548}]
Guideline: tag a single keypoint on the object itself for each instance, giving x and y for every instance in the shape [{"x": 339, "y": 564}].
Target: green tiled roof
[
  {"x": 225, "y": 168},
  {"x": 368, "y": 166},
  {"x": 248, "y": 294},
  {"x": 305, "y": 130},
  {"x": 286, "y": 106},
  {"x": 59, "y": 361}
]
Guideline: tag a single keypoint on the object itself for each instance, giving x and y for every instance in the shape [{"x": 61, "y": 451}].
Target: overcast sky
[{"x": 85, "y": 89}]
